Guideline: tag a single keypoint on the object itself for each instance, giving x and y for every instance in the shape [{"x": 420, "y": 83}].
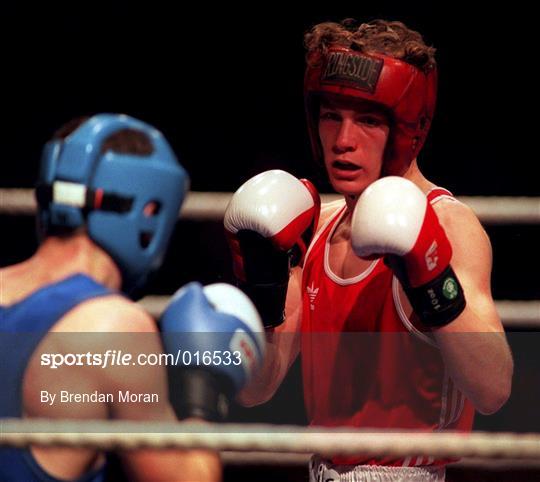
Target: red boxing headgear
[{"x": 404, "y": 90}]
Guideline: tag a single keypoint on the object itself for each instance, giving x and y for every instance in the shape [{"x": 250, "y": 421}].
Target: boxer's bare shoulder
[{"x": 113, "y": 313}]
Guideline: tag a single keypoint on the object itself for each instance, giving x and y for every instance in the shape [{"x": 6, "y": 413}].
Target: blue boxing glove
[{"x": 215, "y": 337}]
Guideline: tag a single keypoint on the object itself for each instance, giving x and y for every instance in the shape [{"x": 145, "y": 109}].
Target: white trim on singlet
[
  {"x": 448, "y": 196},
  {"x": 443, "y": 196},
  {"x": 323, "y": 227},
  {"x": 403, "y": 317},
  {"x": 334, "y": 277}
]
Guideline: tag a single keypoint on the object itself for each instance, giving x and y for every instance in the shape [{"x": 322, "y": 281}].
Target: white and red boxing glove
[
  {"x": 394, "y": 217},
  {"x": 269, "y": 224}
]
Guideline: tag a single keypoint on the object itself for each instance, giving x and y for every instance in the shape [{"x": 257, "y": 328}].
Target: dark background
[{"x": 225, "y": 87}]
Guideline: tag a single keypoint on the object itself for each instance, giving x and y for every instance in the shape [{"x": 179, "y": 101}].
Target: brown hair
[
  {"x": 125, "y": 141},
  {"x": 378, "y": 36}
]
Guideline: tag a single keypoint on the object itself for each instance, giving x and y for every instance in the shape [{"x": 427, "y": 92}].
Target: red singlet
[{"x": 364, "y": 363}]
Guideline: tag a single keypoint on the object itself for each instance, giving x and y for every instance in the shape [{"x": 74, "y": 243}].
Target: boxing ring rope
[
  {"x": 210, "y": 206},
  {"x": 515, "y": 314},
  {"x": 207, "y": 206},
  {"x": 129, "y": 435}
]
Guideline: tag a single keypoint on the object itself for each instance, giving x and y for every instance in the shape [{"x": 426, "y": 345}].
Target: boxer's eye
[
  {"x": 371, "y": 120},
  {"x": 329, "y": 115}
]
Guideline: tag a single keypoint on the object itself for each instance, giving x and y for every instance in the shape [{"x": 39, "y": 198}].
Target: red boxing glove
[
  {"x": 269, "y": 224},
  {"x": 393, "y": 217}
]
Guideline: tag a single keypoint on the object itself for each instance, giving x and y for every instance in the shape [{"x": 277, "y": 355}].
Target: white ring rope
[
  {"x": 268, "y": 438},
  {"x": 519, "y": 314},
  {"x": 514, "y": 314},
  {"x": 211, "y": 206}
]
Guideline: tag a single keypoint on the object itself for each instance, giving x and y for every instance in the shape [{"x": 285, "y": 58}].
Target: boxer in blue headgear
[
  {"x": 128, "y": 202},
  {"x": 109, "y": 193}
]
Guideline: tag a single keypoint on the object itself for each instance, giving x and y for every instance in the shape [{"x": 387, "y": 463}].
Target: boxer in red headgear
[
  {"x": 391, "y": 305},
  {"x": 405, "y": 92}
]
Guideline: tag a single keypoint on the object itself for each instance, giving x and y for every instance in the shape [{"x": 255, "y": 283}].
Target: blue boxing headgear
[{"x": 107, "y": 192}]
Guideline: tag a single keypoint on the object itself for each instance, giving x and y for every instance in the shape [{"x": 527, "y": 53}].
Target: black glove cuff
[
  {"x": 438, "y": 302},
  {"x": 269, "y": 299},
  {"x": 199, "y": 393}
]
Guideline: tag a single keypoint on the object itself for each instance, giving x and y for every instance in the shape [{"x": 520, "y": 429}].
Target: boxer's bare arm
[
  {"x": 282, "y": 348},
  {"x": 473, "y": 346}
]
